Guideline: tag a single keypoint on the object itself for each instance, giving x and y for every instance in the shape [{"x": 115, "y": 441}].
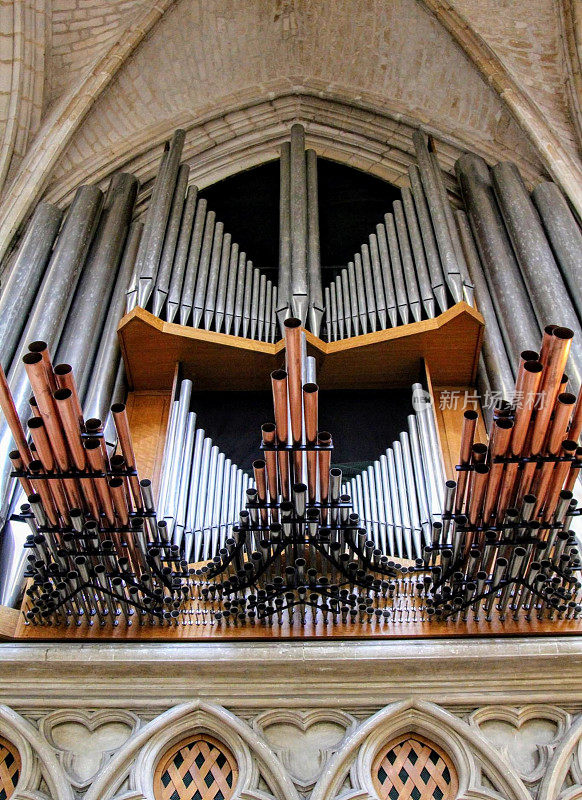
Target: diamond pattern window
[
  {"x": 9, "y": 769},
  {"x": 198, "y": 768},
  {"x": 412, "y": 768}
]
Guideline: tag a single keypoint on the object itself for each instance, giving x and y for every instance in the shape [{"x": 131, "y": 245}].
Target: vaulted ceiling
[{"x": 89, "y": 86}]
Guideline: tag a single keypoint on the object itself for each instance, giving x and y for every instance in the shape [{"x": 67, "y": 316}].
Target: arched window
[
  {"x": 198, "y": 768},
  {"x": 9, "y": 769},
  {"x": 412, "y": 768}
]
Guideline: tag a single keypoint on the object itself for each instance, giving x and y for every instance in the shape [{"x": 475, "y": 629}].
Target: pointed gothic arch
[
  {"x": 468, "y": 752},
  {"x": 138, "y": 758},
  {"x": 37, "y": 759}
]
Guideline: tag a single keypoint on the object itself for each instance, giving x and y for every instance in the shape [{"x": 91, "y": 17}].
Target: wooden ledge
[{"x": 392, "y": 358}]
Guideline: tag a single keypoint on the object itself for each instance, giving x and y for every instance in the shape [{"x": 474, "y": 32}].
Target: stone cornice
[{"x": 349, "y": 675}]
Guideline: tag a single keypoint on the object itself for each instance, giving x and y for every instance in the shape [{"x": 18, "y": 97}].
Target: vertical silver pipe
[
  {"x": 167, "y": 459},
  {"x": 148, "y": 217},
  {"x": 225, "y": 504},
  {"x": 564, "y": 235},
  {"x": 50, "y": 309},
  {"x": 374, "y": 512},
  {"x": 451, "y": 269},
  {"x": 544, "y": 282},
  {"x": 267, "y": 312},
  {"x": 333, "y": 301},
  {"x": 177, "y": 455},
  {"x": 162, "y": 285},
  {"x": 328, "y": 328},
  {"x": 361, "y": 503},
  {"x": 203, "y": 269},
  {"x": 497, "y": 364},
  {"x": 192, "y": 492},
  {"x": 231, "y": 288},
  {"x": 388, "y": 501},
  {"x": 369, "y": 286},
  {"x": 371, "y": 528},
  {"x": 274, "y": 314},
  {"x": 82, "y": 329},
  {"x": 201, "y": 499},
  {"x": 510, "y": 298},
  {"x": 21, "y": 283},
  {"x": 397, "y": 273},
  {"x": 420, "y": 477},
  {"x": 206, "y": 521},
  {"x": 433, "y": 259},
  {"x": 247, "y": 302},
  {"x": 346, "y": 302},
  {"x": 191, "y": 273},
  {"x": 240, "y": 292},
  {"x": 223, "y": 281},
  {"x": 159, "y": 219},
  {"x": 181, "y": 254},
  {"x": 353, "y": 298},
  {"x": 361, "y": 292},
  {"x": 381, "y": 506},
  {"x": 387, "y": 280},
  {"x": 213, "y": 276},
  {"x": 340, "y": 307},
  {"x": 313, "y": 256},
  {"x": 412, "y": 494},
  {"x": 404, "y": 499},
  {"x": 378, "y": 282},
  {"x": 217, "y": 504},
  {"x": 284, "y": 278},
  {"x": 310, "y": 369},
  {"x": 261, "y": 308},
  {"x": 298, "y": 215},
  {"x": 454, "y": 234},
  {"x": 422, "y": 405},
  {"x": 184, "y": 479},
  {"x": 104, "y": 369},
  {"x": 396, "y": 507},
  {"x": 255, "y": 293},
  {"x": 426, "y": 292},
  {"x": 407, "y": 262}
]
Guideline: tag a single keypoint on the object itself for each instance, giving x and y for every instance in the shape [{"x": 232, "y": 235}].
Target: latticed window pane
[
  {"x": 9, "y": 769},
  {"x": 199, "y": 768},
  {"x": 412, "y": 768}
]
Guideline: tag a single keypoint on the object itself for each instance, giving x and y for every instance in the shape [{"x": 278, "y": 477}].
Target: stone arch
[
  {"x": 468, "y": 751},
  {"x": 37, "y": 759},
  {"x": 553, "y": 781},
  {"x": 138, "y": 757}
]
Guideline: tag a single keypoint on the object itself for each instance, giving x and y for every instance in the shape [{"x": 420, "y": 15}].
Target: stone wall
[{"x": 301, "y": 719}]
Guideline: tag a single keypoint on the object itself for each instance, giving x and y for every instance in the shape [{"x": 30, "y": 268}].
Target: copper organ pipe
[
  {"x": 42, "y": 489},
  {"x": 122, "y": 428},
  {"x": 269, "y": 436},
  {"x": 37, "y": 375},
  {"x": 42, "y": 349},
  {"x": 501, "y": 436},
  {"x": 18, "y": 464},
  {"x": 310, "y": 405},
  {"x": 557, "y": 477},
  {"x": 97, "y": 464},
  {"x": 324, "y": 462},
  {"x": 293, "y": 360},
  {"x": 66, "y": 380},
  {"x": 279, "y": 382},
  {"x": 261, "y": 484},
  {"x": 12, "y": 419},
  {"x": 467, "y": 437}
]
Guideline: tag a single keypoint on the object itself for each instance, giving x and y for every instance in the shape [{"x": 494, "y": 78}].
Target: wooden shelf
[
  {"x": 392, "y": 358},
  {"x": 393, "y": 630}
]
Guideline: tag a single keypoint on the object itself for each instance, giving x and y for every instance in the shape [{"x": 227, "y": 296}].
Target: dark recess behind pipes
[
  {"x": 351, "y": 203},
  {"x": 363, "y": 423}
]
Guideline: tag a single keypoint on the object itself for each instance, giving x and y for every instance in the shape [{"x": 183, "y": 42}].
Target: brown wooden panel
[
  {"x": 449, "y": 404},
  {"x": 196, "y": 627},
  {"x": 385, "y": 359},
  {"x": 148, "y": 413}
]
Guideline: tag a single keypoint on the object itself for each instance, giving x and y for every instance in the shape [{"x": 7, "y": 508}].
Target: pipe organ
[{"x": 288, "y": 545}]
